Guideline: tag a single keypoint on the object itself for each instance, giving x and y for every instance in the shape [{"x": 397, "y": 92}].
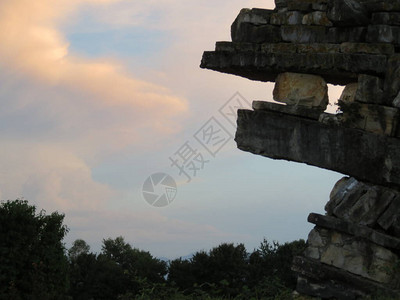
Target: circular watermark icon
[{"x": 159, "y": 190}]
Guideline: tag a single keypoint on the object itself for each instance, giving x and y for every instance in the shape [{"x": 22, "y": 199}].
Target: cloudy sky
[{"x": 97, "y": 95}]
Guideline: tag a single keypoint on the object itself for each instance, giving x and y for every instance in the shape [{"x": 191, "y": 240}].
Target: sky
[{"x": 98, "y": 95}]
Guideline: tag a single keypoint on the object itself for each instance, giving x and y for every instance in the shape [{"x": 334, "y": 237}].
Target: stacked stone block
[{"x": 302, "y": 45}]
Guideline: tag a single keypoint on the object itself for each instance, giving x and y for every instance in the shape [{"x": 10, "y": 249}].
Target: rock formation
[{"x": 301, "y": 45}]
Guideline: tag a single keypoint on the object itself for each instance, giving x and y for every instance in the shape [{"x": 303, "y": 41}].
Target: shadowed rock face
[
  {"x": 301, "y": 45},
  {"x": 337, "y": 148}
]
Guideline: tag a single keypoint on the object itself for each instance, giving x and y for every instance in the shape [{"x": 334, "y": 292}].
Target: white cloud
[
  {"x": 33, "y": 46},
  {"x": 53, "y": 177}
]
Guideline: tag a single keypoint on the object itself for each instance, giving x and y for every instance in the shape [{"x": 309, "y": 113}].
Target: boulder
[{"x": 301, "y": 90}]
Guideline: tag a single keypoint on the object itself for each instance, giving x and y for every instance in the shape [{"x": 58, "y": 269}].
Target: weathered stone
[
  {"x": 325, "y": 290},
  {"x": 373, "y": 118},
  {"x": 383, "y": 34},
  {"x": 370, "y": 206},
  {"x": 251, "y": 25},
  {"x": 303, "y": 34},
  {"x": 307, "y": 5},
  {"x": 232, "y": 47},
  {"x": 353, "y": 205},
  {"x": 349, "y": 93},
  {"x": 381, "y": 5},
  {"x": 336, "y": 68},
  {"x": 345, "y": 188},
  {"x": 347, "y": 13},
  {"x": 298, "y": 48},
  {"x": 250, "y": 33},
  {"x": 388, "y": 219},
  {"x": 255, "y": 16},
  {"x": 346, "y": 34},
  {"x": 307, "y": 141},
  {"x": 305, "y": 112},
  {"x": 359, "y": 203},
  {"x": 279, "y": 48},
  {"x": 301, "y": 90},
  {"x": 338, "y": 225},
  {"x": 329, "y": 282},
  {"x": 281, "y": 3},
  {"x": 396, "y": 101},
  {"x": 370, "y": 90},
  {"x": 317, "y": 48},
  {"x": 346, "y": 42},
  {"x": 386, "y": 18},
  {"x": 323, "y": 6},
  {"x": 330, "y": 119},
  {"x": 281, "y": 10},
  {"x": 395, "y": 229},
  {"x": 367, "y": 48},
  {"x": 358, "y": 256},
  {"x": 316, "y": 18},
  {"x": 317, "y": 238},
  {"x": 340, "y": 189},
  {"x": 286, "y": 18},
  {"x": 392, "y": 78}
]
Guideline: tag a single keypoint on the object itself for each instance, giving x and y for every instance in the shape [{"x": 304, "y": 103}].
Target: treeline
[{"x": 34, "y": 264}]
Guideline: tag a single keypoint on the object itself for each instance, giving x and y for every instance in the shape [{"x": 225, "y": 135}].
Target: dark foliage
[
  {"x": 229, "y": 271},
  {"x": 35, "y": 265}
]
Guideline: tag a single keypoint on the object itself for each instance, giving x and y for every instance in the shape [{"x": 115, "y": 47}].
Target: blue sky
[{"x": 97, "y": 95}]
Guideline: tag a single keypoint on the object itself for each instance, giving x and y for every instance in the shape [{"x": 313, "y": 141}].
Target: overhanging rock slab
[
  {"x": 337, "y": 68},
  {"x": 336, "y": 148}
]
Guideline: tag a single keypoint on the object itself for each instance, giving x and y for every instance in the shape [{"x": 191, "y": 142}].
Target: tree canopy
[
  {"x": 34, "y": 264},
  {"x": 32, "y": 259}
]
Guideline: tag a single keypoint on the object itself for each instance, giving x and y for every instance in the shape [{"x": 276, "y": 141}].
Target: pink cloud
[{"x": 33, "y": 46}]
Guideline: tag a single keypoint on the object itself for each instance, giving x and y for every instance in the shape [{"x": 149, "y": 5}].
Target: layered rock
[
  {"x": 301, "y": 45},
  {"x": 366, "y": 156}
]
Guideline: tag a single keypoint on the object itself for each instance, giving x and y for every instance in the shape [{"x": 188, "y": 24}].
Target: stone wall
[{"x": 302, "y": 45}]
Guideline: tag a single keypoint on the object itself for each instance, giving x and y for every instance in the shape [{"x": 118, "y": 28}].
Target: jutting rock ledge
[{"x": 302, "y": 45}]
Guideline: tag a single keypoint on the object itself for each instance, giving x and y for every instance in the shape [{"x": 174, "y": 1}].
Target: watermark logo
[
  {"x": 190, "y": 158},
  {"x": 230, "y": 108},
  {"x": 213, "y": 136},
  {"x": 159, "y": 190}
]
